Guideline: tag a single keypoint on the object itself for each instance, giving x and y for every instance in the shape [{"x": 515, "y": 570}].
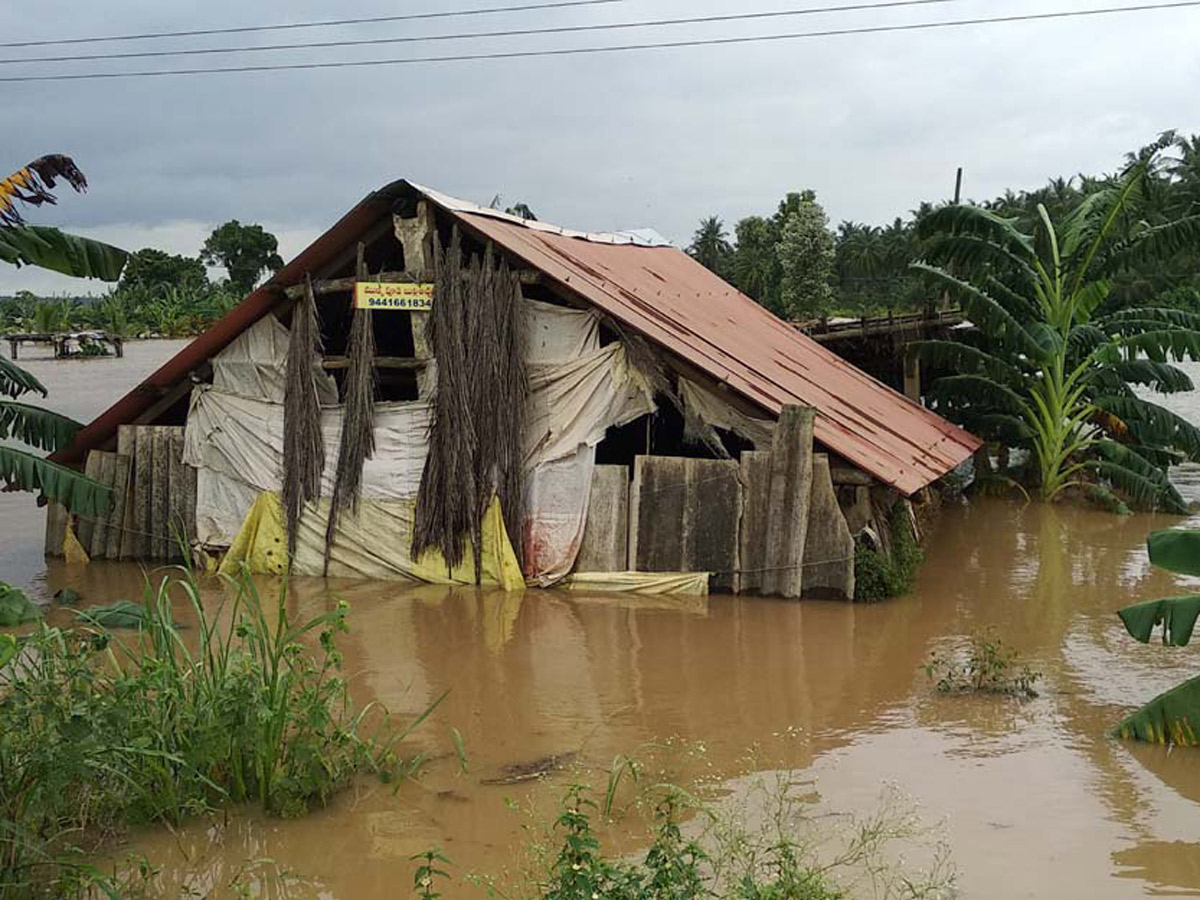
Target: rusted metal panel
[{"x": 667, "y": 296}]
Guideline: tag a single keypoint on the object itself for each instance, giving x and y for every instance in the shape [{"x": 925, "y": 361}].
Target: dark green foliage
[
  {"x": 79, "y": 494},
  {"x": 35, "y": 426},
  {"x": 68, "y": 254},
  {"x": 710, "y": 246},
  {"x": 99, "y": 731},
  {"x": 245, "y": 251},
  {"x": 15, "y": 607},
  {"x": 883, "y": 574},
  {"x": 1172, "y": 717},
  {"x": 156, "y": 269}
]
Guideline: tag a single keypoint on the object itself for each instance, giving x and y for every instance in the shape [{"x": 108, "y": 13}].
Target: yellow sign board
[{"x": 393, "y": 295}]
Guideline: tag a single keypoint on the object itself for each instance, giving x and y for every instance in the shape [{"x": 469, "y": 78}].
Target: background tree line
[
  {"x": 795, "y": 265},
  {"x": 159, "y": 293}
]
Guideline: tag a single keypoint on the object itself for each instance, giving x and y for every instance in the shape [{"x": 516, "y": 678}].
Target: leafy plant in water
[
  {"x": 881, "y": 574},
  {"x": 97, "y": 731},
  {"x": 989, "y": 666},
  {"x": 15, "y": 607},
  {"x": 1049, "y": 370},
  {"x": 1172, "y": 717},
  {"x": 426, "y": 876}
]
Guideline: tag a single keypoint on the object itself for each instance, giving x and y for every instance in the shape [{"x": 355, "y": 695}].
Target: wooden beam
[
  {"x": 381, "y": 362},
  {"x": 341, "y": 285}
]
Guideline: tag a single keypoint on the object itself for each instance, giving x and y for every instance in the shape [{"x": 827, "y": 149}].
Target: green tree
[
  {"x": 754, "y": 261},
  {"x": 710, "y": 246},
  {"x": 1046, "y": 372},
  {"x": 245, "y": 251},
  {"x": 152, "y": 268},
  {"x": 806, "y": 258},
  {"x": 22, "y": 244}
]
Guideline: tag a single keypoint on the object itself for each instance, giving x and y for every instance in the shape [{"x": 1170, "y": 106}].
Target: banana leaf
[
  {"x": 15, "y": 381},
  {"x": 49, "y": 248},
  {"x": 1170, "y": 718},
  {"x": 78, "y": 493},
  {"x": 35, "y": 426},
  {"x": 15, "y": 607},
  {"x": 1176, "y": 550},
  {"x": 118, "y": 614},
  {"x": 1177, "y": 615}
]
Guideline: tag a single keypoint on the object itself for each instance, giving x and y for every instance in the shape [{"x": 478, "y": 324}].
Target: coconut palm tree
[
  {"x": 1045, "y": 372},
  {"x": 48, "y": 248},
  {"x": 710, "y": 245}
]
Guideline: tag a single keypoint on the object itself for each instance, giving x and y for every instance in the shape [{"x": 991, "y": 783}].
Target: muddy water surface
[{"x": 1038, "y": 800}]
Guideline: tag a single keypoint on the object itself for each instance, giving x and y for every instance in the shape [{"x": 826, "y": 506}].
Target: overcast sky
[{"x": 874, "y": 123}]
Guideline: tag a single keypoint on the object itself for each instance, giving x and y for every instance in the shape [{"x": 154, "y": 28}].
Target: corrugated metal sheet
[
  {"x": 656, "y": 291},
  {"x": 665, "y": 295}
]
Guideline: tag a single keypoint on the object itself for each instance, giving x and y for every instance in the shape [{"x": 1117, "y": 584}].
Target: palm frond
[
  {"x": 1160, "y": 376},
  {"x": 35, "y": 183},
  {"x": 1153, "y": 425},
  {"x": 976, "y": 390},
  {"x": 1085, "y": 339},
  {"x": 49, "y": 248},
  {"x": 15, "y": 381},
  {"x": 1136, "y": 477},
  {"x": 1176, "y": 343},
  {"x": 965, "y": 359},
  {"x": 982, "y": 309},
  {"x": 35, "y": 426},
  {"x": 1155, "y": 243},
  {"x": 78, "y": 493},
  {"x": 965, "y": 220},
  {"x": 1133, "y": 321}
]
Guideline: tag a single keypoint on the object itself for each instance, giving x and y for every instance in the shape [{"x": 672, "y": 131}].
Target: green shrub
[
  {"x": 987, "y": 665},
  {"x": 99, "y": 731},
  {"x": 879, "y": 575}
]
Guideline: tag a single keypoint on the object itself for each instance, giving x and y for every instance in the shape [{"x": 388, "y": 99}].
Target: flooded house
[{"x": 441, "y": 392}]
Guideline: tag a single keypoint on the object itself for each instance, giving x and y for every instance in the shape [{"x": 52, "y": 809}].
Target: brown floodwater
[{"x": 1037, "y": 799}]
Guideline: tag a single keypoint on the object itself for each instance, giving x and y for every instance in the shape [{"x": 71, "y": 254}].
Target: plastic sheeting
[
  {"x": 236, "y": 444},
  {"x": 693, "y": 584},
  {"x": 373, "y": 542},
  {"x": 255, "y": 365},
  {"x": 558, "y": 333},
  {"x": 713, "y": 409}
]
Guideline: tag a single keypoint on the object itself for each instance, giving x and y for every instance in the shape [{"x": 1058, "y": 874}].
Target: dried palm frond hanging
[
  {"x": 479, "y": 410},
  {"x": 357, "y": 442},
  {"x": 34, "y": 184},
  {"x": 303, "y": 443},
  {"x": 447, "y": 495}
]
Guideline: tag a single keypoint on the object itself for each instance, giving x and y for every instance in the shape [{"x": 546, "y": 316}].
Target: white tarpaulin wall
[
  {"x": 713, "y": 409},
  {"x": 234, "y": 435}
]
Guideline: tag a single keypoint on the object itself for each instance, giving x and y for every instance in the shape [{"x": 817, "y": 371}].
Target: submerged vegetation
[
  {"x": 762, "y": 842},
  {"x": 1172, "y": 717},
  {"x": 100, "y": 731},
  {"x": 987, "y": 665},
  {"x": 887, "y": 569}
]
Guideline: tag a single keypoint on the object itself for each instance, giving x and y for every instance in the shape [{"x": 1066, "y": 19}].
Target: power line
[
  {"x": 576, "y": 51},
  {"x": 520, "y": 32},
  {"x": 286, "y": 26}
]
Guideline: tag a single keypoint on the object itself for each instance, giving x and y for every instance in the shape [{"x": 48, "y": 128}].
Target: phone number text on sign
[{"x": 390, "y": 295}]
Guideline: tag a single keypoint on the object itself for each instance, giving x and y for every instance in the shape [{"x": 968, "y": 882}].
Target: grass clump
[
  {"x": 881, "y": 573},
  {"x": 760, "y": 840},
  {"x": 98, "y": 732},
  {"x": 987, "y": 665}
]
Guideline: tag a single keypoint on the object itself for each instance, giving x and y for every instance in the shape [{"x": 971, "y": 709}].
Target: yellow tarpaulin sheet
[
  {"x": 374, "y": 542},
  {"x": 693, "y": 584}
]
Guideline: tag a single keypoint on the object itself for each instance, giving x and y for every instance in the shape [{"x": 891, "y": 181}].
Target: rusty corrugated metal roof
[
  {"x": 674, "y": 301},
  {"x": 658, "y": 292}
]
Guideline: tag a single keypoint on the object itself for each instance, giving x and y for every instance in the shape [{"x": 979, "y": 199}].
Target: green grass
[{"x": 100, "y": 731}]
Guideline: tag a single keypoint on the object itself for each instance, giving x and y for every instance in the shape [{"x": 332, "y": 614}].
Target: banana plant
[
  {"x": 1172, "y": 717},
  {"x": 1043, "y": 371},
  {"x": 49, "y": 248}
]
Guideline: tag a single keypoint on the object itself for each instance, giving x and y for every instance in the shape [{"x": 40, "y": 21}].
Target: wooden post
[
  {"x": 912, "y": 374},
  {"x": 116, "y": 521},
  {"x": 127, "y": 447},
  {"x": 56, "y": 528},
  {"x": 416, "y": 236},
  {"x": 160, "y": 493},
  {"x": 791, "y": 487},
  {"x": 87, "y": 525},
  {"x": 142, "y": 488},
  {"x": 105, "y": 472},
  {"x": 178, "y": 528},
  {"x": 12, "y": 354}
]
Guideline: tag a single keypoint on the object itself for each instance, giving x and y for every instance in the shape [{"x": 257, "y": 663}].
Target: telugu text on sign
[{"x": 393, "y": 295}]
